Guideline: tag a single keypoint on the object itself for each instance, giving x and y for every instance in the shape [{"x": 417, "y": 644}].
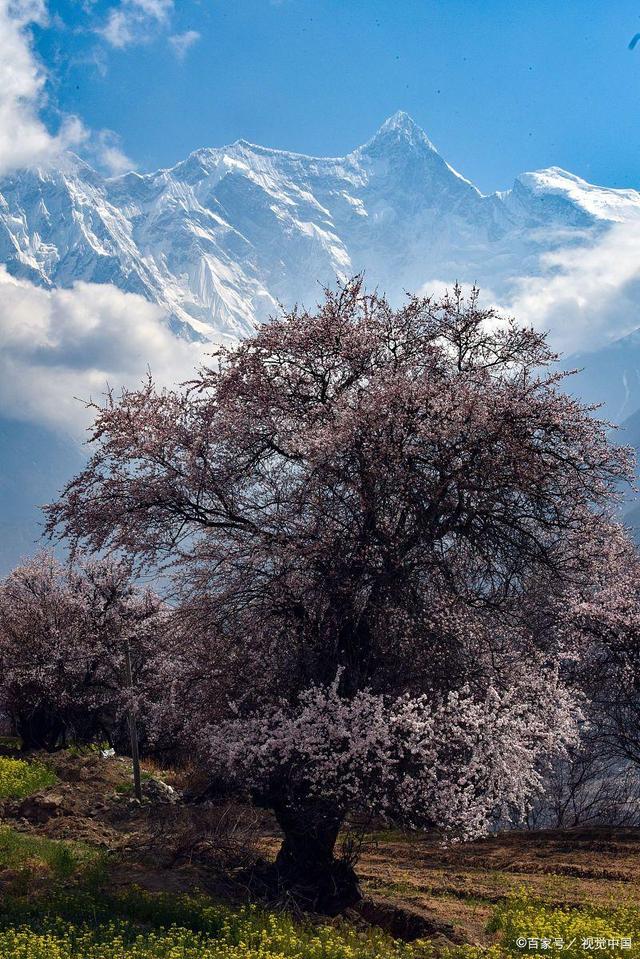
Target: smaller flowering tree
[
  {"x": 605, "y": 625},
  {"x": 62, "y": 636}
]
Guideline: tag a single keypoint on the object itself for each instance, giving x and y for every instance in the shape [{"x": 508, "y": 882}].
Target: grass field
[
  {"x": 579, "y": 871},
  {"x": 87, "y": 884}
]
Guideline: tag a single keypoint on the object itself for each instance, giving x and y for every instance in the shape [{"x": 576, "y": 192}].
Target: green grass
[
  {"x": 22, "y": 851},
  {"x": 19, "y": 778}
]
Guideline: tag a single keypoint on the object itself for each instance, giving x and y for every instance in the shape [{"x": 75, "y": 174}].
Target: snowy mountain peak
[
  {"x": 399, "y": 129},
  {"x": 401, "y": 123},
  {"x": 599, "y": 203}
]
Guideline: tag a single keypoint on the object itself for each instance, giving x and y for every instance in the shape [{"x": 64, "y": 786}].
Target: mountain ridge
[{"x": 222, "y": 237}]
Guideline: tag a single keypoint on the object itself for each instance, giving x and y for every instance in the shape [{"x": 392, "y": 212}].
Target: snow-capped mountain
[{"x": 221, "y": 239}]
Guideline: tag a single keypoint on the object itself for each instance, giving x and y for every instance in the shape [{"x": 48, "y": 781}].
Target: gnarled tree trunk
[{"x": 306, "y": 867}]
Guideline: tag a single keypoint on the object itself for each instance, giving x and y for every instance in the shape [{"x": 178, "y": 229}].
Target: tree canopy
[{"x": 372, "y": 516}]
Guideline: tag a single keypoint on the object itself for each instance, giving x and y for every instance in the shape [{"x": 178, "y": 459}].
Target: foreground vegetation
[
  {"x": 60, "y": 859},
  {"x": 530, "y": 927},
  {"x": 19, "y": 779},
  {"x": 139, "y": 925},
  {"x": 62, "y": 899}
]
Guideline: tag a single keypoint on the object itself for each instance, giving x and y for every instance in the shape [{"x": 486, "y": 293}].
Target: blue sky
[{"x": 499, "y": 87}]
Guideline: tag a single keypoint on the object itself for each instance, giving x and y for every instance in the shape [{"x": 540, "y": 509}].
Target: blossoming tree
[
  {"x": 64, "y": 634},
  {"x": 356, "y": 504},
  {"x": 607, "y": 620}
]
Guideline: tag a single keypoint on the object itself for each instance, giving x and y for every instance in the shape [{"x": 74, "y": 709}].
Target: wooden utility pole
[{"x": 133, "y": 728}]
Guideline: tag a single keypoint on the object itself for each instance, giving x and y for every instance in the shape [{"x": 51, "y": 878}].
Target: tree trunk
[
  {"x": 306, "y": 868},
  {"x": 133, "y": 727},
  {"x": 40, "y": 729}
]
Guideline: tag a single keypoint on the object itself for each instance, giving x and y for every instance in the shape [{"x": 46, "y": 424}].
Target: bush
[{"x": 19, "y": 778}]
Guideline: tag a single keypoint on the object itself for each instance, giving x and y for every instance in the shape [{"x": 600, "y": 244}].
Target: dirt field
[{"x": 462, "y": 884}]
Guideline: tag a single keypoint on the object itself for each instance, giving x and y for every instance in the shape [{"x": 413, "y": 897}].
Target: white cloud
[
  {"x": 24, "y": 138},
  {"x": 56, "y": 345},
  {"x": 587, "y": 295},
  {"x": 584, "y": 294},
  {"x": 131, "y": 21},
  {"x": 182, "y": 42},
  {"x": 110, "y": 155}
]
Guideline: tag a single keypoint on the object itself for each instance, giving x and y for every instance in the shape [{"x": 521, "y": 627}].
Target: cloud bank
[
  {"x": 587, "y": 295},
  {"x": 584, "y": 295},
  {"x": 56, "y": 345},
  {"x": 59, "y": 345}
]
